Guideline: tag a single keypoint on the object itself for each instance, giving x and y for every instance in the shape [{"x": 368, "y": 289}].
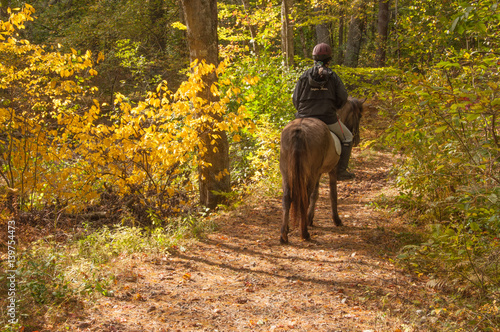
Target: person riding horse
[{"x": 319, "y": 93}]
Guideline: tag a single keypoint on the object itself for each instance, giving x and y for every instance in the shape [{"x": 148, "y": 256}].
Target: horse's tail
[{"x": 298, "y": 174}]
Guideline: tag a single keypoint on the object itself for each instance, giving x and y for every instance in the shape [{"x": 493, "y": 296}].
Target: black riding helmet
[{"x": 322, "y": 52}]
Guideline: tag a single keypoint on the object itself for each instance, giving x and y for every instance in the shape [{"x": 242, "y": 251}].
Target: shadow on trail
[
  {"x": 284, "y": 277},
  {"x": 363, "y": 233},
  {"x": 333, "y": 250},
  {"x": 350, "y": 259}
]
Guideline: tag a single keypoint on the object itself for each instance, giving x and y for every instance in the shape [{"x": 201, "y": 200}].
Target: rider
[{"x": 319, "y": 93}]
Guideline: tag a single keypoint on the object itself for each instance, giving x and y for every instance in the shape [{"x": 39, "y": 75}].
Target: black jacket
[{"x": 319, "y": 93}]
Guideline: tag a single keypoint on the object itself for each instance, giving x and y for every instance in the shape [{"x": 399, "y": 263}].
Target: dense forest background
[{"x": 103, "y": 123}]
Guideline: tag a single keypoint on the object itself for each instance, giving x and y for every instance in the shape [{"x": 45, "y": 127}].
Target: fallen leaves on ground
[{"x": 241, "y": 278}]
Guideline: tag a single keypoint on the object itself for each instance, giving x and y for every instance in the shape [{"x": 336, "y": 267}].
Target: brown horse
[{"x": 307, "y": 151}]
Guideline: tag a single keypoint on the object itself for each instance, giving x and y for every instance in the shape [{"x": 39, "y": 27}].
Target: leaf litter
[{"x": 240, "y": 278}]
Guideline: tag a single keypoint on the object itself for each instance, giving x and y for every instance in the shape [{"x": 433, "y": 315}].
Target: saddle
[{"x": 336, "y": 140}]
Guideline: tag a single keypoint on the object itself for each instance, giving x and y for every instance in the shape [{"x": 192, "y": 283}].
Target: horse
[{"x": 307, "y": 150}]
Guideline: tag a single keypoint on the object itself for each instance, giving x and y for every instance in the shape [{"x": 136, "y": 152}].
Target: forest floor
[{"x": 240, "y": 278}]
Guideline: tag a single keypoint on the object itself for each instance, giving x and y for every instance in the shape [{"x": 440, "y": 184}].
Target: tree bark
[
  {"x": 322, "y": 29},
  {"x": 340, "y": 48},
  {"x": 287, "y": 46},
  {"x": 382, "y": 31},
  {"x": 303, "y": 42},
  {"x": 251, "y": 27},
  {"x": 396, "y": 23},
  {"x": 356, "y": 27},
  {"x": 201, "y": 23}
]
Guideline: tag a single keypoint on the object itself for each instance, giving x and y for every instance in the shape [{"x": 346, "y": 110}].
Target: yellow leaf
[
  {"x": 100, "y": 57},
  {"x": 251, "y": 80},
  {"x": 214, "y": 90},
  {"x": 178, "y": 25},
  {"x": 250, "y": 97},
  {"x": 29, "y": 7}
]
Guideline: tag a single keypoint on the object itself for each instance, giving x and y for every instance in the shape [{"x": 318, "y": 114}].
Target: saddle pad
[{"x": 336, "y": 140}]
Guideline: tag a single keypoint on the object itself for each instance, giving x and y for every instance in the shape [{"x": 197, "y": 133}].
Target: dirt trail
[{"x": 241, "y": 279}]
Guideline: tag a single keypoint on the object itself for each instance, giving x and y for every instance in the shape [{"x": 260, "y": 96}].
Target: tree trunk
[
  {"x": 287, "y": 46},
  {"x": 382, "y": 30},
  {"x": 396, "y": 23},
  {"x": 356, "y": 26},
  {"x": 251, "y": 27},
  {"x": 303, "y": 42},
  {"x": 340, "y": 48},
  {"x": 201, "y": 23},
  {"x": 156, "y": 12},
  {"x": 322, "y": 29}
]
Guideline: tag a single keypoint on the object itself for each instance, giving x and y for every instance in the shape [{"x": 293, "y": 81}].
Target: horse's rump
[{"x": 306, "y": 145}]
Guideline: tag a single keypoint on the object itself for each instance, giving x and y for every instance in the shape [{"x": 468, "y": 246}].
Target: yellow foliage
[
  {"x": 56, "y": 150},
  {"x": 178, "y": 25},
  {"x": 100, "y": 57}
]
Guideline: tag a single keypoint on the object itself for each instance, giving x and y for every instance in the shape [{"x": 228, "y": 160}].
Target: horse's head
[{"x": 350, "y": 114}]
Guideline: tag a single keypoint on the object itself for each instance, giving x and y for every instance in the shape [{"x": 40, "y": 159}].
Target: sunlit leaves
[
  {"x": 430, "y": 31},
  {"x": 61, "y": 148},
  {"x": 178, "y": 25},
  {"x": 446, "y": 132},
  {"x": 38, "y": 89},
  {"x": 235, "y": 22},
  {"x": 448, "y": 119}
]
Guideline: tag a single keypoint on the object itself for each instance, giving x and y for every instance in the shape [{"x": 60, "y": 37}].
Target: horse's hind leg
[
  {"x": 306, "y": 219},
  {"x": 287, "y": 201},
  {"x": 312, "y": 204}
]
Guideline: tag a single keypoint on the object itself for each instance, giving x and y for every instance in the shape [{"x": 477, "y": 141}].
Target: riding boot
[{"x": 342, "y": 173}]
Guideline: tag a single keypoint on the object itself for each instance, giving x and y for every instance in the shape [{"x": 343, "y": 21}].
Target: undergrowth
[{"x": 56, "y": 278}]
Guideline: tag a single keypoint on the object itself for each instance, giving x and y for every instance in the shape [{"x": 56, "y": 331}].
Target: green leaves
[
  {"x": 446, "y": 127},
  {"x": 441, "y": 129}
]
